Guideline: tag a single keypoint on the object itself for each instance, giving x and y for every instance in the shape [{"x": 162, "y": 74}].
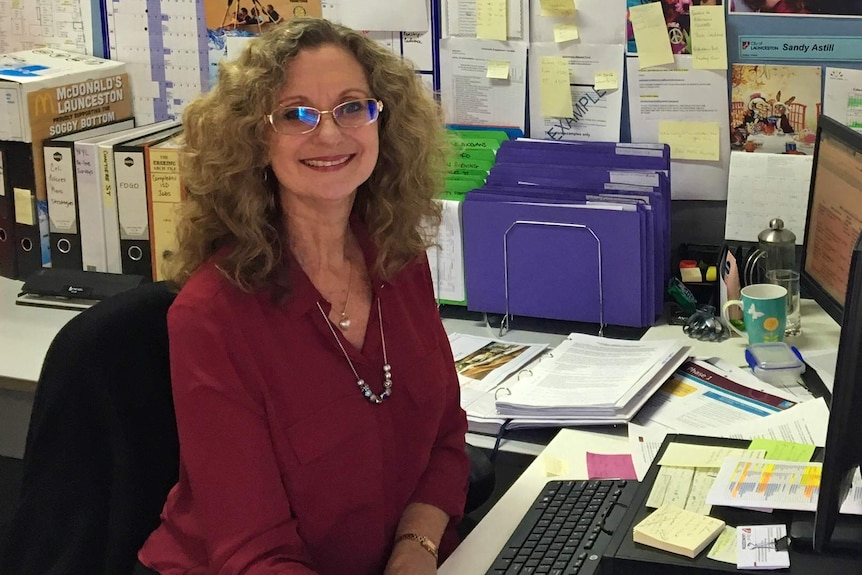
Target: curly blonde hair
[{"x": 232, "y": 196}]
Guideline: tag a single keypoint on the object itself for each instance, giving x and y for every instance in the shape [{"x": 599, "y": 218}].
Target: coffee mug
[{"x": 764, "y": 312}]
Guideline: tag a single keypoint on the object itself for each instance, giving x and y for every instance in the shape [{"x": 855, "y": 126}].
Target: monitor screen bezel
[{"x": 811, "y": 286}]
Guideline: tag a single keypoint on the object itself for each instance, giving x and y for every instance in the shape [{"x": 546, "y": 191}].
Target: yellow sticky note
[
  {"x": 783, "y": 450},
  {"x": 555, "y": 467},
  {"x": 491, "y": 22},
  {"x": 557, "y": 7},
  {"x": 651, "y": 36},
  {"x": 606, "y": 80},
  {"x": 724, "y": 548},
  {"x": 690, "y": 140},
  {"x": 556, "y": 91},
  {"x": 692, "y": 455},
  {"x": 565, "y": 32},
  {"x": 708, "y": 38},
  {"x": 498, "y": 69},
  {"x": 23, "y": 206}
]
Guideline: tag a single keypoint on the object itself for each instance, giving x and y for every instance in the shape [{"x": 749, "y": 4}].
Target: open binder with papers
[{"x": 589, "y": 380}]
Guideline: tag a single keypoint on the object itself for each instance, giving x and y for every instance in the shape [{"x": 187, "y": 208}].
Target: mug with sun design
[{"x": 764, "y": 312}]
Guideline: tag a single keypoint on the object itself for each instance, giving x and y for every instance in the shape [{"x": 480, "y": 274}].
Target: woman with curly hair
[{"x": 315, "y": 391}]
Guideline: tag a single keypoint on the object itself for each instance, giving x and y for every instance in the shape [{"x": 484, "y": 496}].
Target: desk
[{"x": 478, "y": 551}]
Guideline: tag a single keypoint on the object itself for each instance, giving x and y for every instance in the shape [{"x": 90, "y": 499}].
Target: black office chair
[{"x": 102, "y": 450}]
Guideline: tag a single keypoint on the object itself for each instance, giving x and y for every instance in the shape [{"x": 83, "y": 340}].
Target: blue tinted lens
[{"x": 308, "y": 116}]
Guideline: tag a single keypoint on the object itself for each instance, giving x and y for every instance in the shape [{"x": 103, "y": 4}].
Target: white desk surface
[{"x": 25, "y": 334}]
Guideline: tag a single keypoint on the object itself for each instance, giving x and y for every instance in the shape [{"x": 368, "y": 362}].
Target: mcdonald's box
[{"x": 45, "y": 93}]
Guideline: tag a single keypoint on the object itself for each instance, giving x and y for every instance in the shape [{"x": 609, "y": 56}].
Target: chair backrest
[
  {"x": 796, "y": 115},
  {"x": 102, "y": 450}
]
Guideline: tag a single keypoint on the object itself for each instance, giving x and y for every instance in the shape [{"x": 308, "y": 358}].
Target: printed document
[
  {"x": 459, "y": 19},
  {"x": 842, "y": 96},
  {"x": 598, "y": 22}
]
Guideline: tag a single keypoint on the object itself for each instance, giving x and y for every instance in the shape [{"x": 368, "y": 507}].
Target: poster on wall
[
  {"x": 798, "y": 7},
  {"x": 774, "y": 109},
  {"x": 676, "y": 15}
]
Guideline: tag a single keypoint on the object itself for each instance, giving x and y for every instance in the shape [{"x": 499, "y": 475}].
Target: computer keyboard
[{"x": 566, "y": 528}]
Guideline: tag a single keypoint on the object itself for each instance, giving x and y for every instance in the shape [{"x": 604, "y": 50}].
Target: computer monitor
[
  {"x": 834, "y": 215},
  {"x": 832, "y": 275}
]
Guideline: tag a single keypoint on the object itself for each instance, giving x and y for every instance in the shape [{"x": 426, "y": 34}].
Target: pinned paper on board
[
  {"x": 565, "y": 33},
  {"x": 606, "y": 80},
  {"x": 690, "y": 140},
  {"x": 556, "y": 92},
  {"x": 651, "y": 37},
  {"x": 557, "y": 7},
  {"x": 498, "y": 70},
  {"x": 491, "y": 22},
  {"x": 708, "y": 37}
]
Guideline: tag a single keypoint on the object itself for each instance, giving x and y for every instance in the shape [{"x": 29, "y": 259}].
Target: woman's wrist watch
[{"x": 426, "y": 543}]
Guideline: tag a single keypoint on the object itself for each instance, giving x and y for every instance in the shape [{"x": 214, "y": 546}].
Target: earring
[{"x": 266, "y": 173}]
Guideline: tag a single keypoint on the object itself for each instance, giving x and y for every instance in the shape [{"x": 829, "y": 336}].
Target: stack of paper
[
  {"x": 676, "y": 530},
  {"x": 591, "y": 380}
]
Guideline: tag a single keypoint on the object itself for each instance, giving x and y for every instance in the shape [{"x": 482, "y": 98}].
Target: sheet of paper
[
  {"x": 842, "y": 96},
  {"x": 691, "y": 140},
  {"x": 595, "y": 113},
  {"x": 765, "y": 186},
  {"x": 783, "y": 450},
  {"x": 823, "y": 362},
  {"x": 491, "y": 19},
  {"x": 471, "y": 98},
  {"x": 610, "y": 466},
  {"x": 708, "y": 37},
  {"x": 56, "y": 24},
  {"x": 803, "y": 423},
  {"x": 691, "y": 455},
  {"x": 681, "y": 93},
  {"x": 671, "y": 486},
  {"x": 724, "y": 548},
  {"x": 460, "y": 19},
  {"x": 756, "y": 547},
  {"x": 498, "y": 69},
  {"x": 598, "y": 22},
  {"x": 700, "y": 396},
  {"x": 410, "y": 15},
  {"x": 650, "y": 30},
  {"x": 644, "y": 443},
  {"x": 554, "y": 95},
  {"x": 447, "y": 257},
  {"x": 565, "y": 32}
]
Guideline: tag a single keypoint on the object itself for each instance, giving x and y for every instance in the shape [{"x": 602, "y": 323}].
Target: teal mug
[{"x": 764, "y": 312}]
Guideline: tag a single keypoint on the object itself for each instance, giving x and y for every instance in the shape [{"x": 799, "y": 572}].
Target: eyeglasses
[{"x": 296, "y": 120}]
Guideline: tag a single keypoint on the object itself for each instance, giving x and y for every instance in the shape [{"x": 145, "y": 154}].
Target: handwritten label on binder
[
  {"x": 690, "y": 140},
  {"x": 556, "y": 91},
  {"x": 491, "y": 22},
  {"x": 708, "y": 38}
]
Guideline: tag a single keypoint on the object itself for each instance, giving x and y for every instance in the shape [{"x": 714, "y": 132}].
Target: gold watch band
[{"x": 426, "y": 543}]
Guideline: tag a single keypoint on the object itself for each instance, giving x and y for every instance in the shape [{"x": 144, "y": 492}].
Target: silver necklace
[
  {"x": 344, "y": 322},
  {"x": 387, "y": 369}
]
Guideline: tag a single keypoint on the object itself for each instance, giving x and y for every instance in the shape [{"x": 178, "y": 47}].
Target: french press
[{"x": 776, "y": 250}]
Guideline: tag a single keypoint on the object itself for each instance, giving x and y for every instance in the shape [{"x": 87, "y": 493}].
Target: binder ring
[
  {"x": 497, "y": 392},
  {"x": 26, "y": 244},
  {"x": 504, "y": 325},
  {"x": 527, "y": 371},
  {"x": 64, "y": 246},
  {"x": 135, "y": 253},
  {"x": 3, "y": 236}
]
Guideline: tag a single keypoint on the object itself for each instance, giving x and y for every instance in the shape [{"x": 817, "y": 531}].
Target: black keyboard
[{"x": 566, "y": 529}]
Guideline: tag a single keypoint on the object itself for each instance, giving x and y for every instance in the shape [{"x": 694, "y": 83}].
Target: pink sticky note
[{"x": 615, "y": 466}]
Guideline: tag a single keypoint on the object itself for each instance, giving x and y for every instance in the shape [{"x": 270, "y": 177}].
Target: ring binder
[{"x": 504, "y": 324}]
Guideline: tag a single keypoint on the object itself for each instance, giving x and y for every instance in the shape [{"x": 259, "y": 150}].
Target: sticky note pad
[
  {"x": 690, "y": 140},
  {"x": 565, "y": 33},
  {"x": 651, "y": 36},
  {"x": 708, "y": 38},
  {"x": 677, "y": 530},
  {"x": 23, "y": 206},
  {"x": 557, "y": 7},
  {"x": 606, "y": 80},
  {"x": 556, "y": 91},
  {"x": 783, "y": 450},
  {"x": 497, "y": 69},
  {"x": 491, "y": 21},
  {"x": 610, "y": 466}
]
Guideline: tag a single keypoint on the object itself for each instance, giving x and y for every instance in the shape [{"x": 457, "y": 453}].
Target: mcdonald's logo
[{"x": 41, "y": 102}]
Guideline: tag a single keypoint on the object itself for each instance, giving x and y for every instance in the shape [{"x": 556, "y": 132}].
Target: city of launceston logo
[{"x": 745, "y": 44}]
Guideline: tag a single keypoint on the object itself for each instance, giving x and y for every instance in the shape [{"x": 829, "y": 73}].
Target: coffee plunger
[{"x": 776, "y": 250}]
